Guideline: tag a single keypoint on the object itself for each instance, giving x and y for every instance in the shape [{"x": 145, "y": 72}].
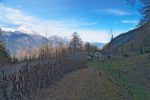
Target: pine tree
[{"x": 145, "y": 11}]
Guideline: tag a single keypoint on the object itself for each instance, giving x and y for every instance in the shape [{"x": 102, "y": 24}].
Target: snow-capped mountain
[
  {"x": 57, "y": 40},
  {"x": 23, "y": 29},
  {"x": 23, "y": 38},
  {"x": 17, "y": 41}
]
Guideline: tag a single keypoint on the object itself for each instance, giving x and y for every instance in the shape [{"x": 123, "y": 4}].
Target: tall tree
[
  {"x": 145, "y": 11},
  {"x": 76, "y": 43}
]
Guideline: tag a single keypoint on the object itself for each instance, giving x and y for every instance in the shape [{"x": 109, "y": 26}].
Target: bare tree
[
  {"x": 145, "y": 11},
  {"x": 131, "y": 2},
  {"x": 76, "y": 43}
]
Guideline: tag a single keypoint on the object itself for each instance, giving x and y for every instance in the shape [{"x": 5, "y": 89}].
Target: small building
[{"x": 97, "y": 55}]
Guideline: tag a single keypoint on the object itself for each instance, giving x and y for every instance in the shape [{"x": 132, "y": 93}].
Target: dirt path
[{"x": 85, "y": 84}]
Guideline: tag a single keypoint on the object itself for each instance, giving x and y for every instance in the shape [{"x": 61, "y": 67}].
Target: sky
[{"x": 92, "y": 19}]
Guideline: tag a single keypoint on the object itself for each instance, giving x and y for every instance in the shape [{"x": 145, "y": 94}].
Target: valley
[{"x": 74, "y": 50}]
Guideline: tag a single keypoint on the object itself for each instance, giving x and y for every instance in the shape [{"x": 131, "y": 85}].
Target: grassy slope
[{"x": 131, "y": 75}]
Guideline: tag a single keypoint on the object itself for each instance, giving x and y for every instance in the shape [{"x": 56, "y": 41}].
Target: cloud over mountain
[{"x": 16, "y": 19}]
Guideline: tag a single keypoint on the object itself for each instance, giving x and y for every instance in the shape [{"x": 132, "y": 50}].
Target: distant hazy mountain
[
  {"x": 98, "y": 44},
  {"x": 16, "y": 41},
  {"x": 57, "y": 40}
]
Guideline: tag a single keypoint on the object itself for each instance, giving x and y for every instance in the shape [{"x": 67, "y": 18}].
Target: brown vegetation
[{"x": 51, "y": 64}]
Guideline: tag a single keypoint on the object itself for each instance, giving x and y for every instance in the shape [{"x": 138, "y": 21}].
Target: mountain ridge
[{"x": 16, "y": 41}]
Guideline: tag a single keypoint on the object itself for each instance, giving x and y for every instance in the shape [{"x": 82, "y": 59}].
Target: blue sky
[{"x": 92, "y": 19}]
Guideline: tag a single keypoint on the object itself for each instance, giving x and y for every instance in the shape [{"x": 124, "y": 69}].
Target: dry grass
[
  {"x": 85, "y": 84},
  {"x": 131, "y": 75}
]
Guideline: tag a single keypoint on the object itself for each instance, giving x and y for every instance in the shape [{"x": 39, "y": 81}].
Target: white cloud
[
  {"x": 130, "y": 21},
  {"x": 95, "y": 36},
  {"x": 115, "y": 12},
  {"x": 13, "y": 16},
  {"x": 65, "y": 28}
]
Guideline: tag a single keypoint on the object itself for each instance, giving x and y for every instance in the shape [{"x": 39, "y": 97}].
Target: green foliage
[
  {"x": 4, "y": 55},
  {"x": 14, "y": 59}
]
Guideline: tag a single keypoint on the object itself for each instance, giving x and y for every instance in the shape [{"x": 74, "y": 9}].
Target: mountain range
[
  {"x": 135, "y": 40},
  {"x": 18, "y": 40},
  {"x": 98, "y": 44}
]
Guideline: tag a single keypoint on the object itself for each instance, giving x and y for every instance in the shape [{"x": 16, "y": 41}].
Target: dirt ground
[{"x": 85, "y": 84}]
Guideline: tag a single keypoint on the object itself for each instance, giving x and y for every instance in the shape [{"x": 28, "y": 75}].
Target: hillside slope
[
  {"x": 131, "y": 75},
  {"x": 137, "y": 40}
]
